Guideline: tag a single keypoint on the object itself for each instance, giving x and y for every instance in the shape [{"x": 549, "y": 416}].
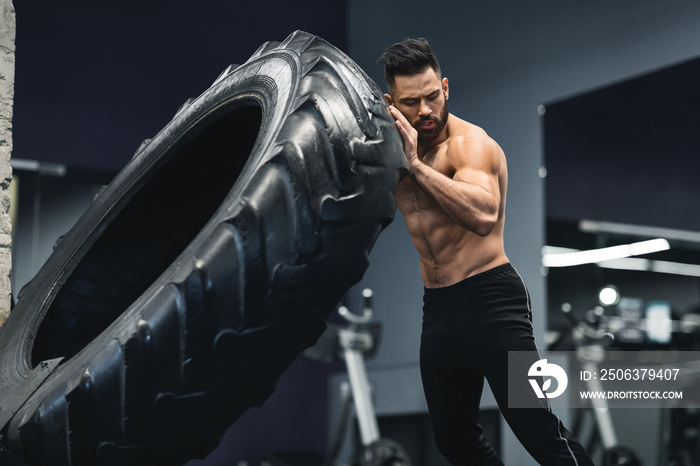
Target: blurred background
[{"x": 596, "y": 105}]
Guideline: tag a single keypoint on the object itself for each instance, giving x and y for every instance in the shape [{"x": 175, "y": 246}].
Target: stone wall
[{"x": 7, "y": 82}]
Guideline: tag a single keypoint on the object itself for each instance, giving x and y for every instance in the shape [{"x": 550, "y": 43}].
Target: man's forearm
[{"x": 470, "y": 205}]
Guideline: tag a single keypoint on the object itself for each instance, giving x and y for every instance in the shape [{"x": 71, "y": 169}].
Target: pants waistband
[{"x": 470, "y": 281}]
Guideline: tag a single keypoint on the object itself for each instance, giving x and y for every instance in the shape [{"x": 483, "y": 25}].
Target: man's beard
[{"x": 440, "y": 122}]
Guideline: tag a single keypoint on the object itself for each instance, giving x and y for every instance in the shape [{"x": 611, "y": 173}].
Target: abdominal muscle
[{"x": 448, "y": 253}]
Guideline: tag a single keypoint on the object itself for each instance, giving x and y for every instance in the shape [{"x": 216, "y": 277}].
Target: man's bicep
[
  {"x": 486, "y": 180},
  {"x": 476, "y": 164}
]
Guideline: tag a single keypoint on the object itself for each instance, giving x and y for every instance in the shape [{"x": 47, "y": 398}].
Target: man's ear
[
  {"x": 445, "y": 88},
  {"x": 389, "y": 99}
]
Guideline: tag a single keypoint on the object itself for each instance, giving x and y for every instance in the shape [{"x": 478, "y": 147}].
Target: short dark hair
[{"x": 406, "y": 58}]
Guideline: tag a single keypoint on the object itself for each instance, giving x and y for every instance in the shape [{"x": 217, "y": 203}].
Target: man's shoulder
[
  {"x": 464, "y": 131},
  {"x": 470, "y": 137},
  {"x": 470, "y": 145}
]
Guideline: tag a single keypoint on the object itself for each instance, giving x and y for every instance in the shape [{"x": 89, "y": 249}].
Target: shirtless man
[{"x": 476, "y": 307}]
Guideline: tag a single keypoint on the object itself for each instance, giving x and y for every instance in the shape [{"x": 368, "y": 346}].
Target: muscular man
[{"x": 476, "y": 307}]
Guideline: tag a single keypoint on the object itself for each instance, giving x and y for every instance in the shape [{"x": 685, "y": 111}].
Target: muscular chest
[{"x": 410, "y": 197}]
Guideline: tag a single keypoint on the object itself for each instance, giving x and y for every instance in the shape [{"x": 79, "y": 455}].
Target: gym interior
[{"x": 595, "y": 104}]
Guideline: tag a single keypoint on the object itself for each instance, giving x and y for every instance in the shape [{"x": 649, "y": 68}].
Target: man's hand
[{"x": 409, "y": 135}]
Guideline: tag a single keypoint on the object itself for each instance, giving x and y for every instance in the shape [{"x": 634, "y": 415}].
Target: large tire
[{"x": 199, "y": 274}]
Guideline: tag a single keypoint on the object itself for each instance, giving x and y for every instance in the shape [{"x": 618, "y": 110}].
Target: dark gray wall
[
  {"x": 94, "y": 79},
  {"x": 504, "y": 59}
]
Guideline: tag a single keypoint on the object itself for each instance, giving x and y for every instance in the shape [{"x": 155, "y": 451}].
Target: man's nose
[{"x": 424, "y": 109}]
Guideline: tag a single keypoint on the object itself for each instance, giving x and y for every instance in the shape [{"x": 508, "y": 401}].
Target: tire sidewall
[{"x": 258, "y": 81}]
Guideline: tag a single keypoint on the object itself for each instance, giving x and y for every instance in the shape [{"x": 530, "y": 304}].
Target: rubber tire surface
[{"x": 209, "y": 263}]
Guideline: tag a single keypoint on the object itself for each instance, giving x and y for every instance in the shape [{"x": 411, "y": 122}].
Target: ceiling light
[
  {"x": 608, "y": 295},
  {"x": 593, "y": 256}
]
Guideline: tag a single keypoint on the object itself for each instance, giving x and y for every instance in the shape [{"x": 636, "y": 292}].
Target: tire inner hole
[{"x": 150, "y": 232}]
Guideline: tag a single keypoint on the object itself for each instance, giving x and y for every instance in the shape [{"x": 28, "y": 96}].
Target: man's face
[{"x": 422, "y": 99}]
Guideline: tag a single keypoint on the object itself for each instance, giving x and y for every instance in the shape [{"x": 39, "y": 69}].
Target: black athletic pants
[{"x": 468, "y": 329}]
